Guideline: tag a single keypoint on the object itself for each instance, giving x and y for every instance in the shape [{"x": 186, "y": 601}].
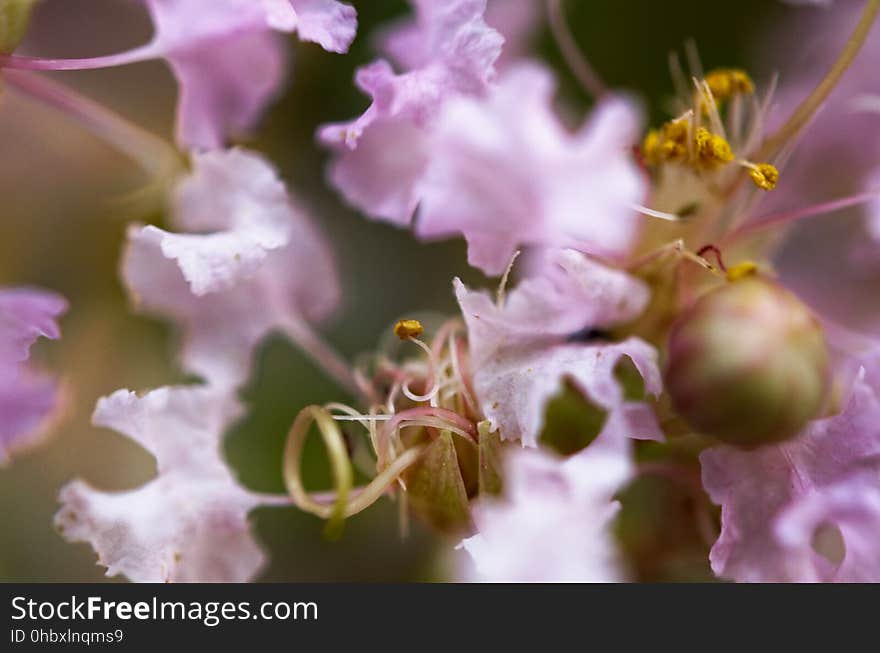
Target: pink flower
[
  {"x": 28, "y": 399},
  {"x": 227, "y": 60},
  {"x": 505, "y": 173},
  {"x": 521, "y": 353},
  {"x": 190, "y": 523},
  {"x": 225, "y": 54},
  {"x": 553, "y": 522},
  {"x": 248, "y": 261},
  {"x": 770, "y": 495},
  {"x": 382, "y": 155}
]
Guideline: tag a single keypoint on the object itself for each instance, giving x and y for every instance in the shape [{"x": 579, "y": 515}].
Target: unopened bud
[{"x": 747, "y": 363}]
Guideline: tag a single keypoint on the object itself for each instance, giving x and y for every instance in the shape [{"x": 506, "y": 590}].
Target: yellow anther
[
  {"x": 727, "y": 82},
  {"x": 651, "y": 148},
  {"x": 712, "y": 150},
  {"x": 742, "y": 270},
  {"x": 765, "y": 175},
  {"x": 406, "y": 329},
  {"x": 667, "y": 144}
]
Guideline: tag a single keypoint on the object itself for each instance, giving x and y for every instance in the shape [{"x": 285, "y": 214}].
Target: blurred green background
[{"x": 62, "y": 224}]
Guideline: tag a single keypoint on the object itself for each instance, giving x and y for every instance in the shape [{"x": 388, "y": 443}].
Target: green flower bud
[{"x": 747, "y": 363}]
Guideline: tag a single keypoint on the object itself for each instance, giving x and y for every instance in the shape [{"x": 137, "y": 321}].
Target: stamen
[
  {"x": 407, "y": 329},
  {"x": 728, "y": 82},
  {"x": 742, "y": 270},
  {"x": 644, "y": 210},
  {"x": 713, "y": 150},
  {"x": 717, "y": 252},
  {"x": 764, "y": 175},
  {"x": 787, "y": 217}
]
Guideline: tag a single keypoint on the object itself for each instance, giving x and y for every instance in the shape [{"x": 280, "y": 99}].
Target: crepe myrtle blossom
[
  {"x": 226, "y": 55},
  {"x": 553, "y": 521},
  {"x": 505, "y": 173},
  {"x": 28, "y": 398},
  {"x": 380, "y": 157},
  {"x": 188, "y": 524},
  {"x": 521, "y": 351},
  {"x": 246, "y": 260}
]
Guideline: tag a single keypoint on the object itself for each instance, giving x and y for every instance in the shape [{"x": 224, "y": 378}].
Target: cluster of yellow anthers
[{"x": 684, "y": 141}]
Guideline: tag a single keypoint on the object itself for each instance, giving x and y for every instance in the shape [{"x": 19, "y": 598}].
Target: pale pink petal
[
  {"x": 851, "y": 506},
  {"x": 380, "y": 177},
  {"x": 330, "y": 24},
  {"x": 228, "y": 62},
  {"x": 520, "y": 354},
  {"x": 190, "y": 523},
  {"x": 28, "y": 402},
  {"x": 28, "y": 399},
  {"x": 224, "y": 90},
  {"x": 456, "y": 54},
  {"x": 514, "y": 387},
  {"x": 567, "y": 293},
  {"x": 237, "y": 195},
  {"x": 25, "y": 315},
  {"x": 265, "y": 268},
  {"x": 505, "y": 173},
  {"x": 553, "y": 522}
]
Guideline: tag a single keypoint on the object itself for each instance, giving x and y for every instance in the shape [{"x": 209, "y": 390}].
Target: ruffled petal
[
  {"x": 28, "y": 399},
  {"x": 227, "y": 61},
  {"x": 330, "y": 24},
  {"x": 265, "y": 268},
  {"x": 520, "y": 354},
  {"x": 25, "y": 315},
  {"x": 456, "y": 54},
  {"x": 552, "y": 524},
  {"x": 567, "y": 293},
  {"x": 505, "y": 173},
  {"x": 852, "y": 507},
  {"x": 190, "y": 523}
]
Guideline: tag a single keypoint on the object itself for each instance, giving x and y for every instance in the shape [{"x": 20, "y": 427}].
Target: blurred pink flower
[
  {"x": 28, "y": 399},
  {"x": 521, "y": 353},
  {"x": 249, "y": 261},
  {"x": 506, "y": 173},
  {"x": 227, "y": 60},
  {"x": 190, "y": 523},
  {"x": 225, "y": 55},
  {"x": 553, "y": 522},
  {"x": 760, "y": 490},
  {"x": 381, "y": 156}
]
